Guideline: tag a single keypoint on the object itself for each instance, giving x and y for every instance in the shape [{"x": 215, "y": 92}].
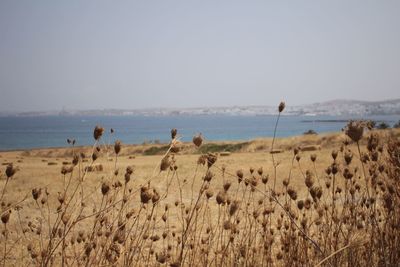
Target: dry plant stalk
[{"x": 229, "y": 219}]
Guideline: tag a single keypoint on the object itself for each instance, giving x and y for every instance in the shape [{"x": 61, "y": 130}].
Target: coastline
[{"x": 323, "y": 140}]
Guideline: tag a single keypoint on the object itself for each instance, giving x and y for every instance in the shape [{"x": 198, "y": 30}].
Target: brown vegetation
[{"x": 338, "y": 205}]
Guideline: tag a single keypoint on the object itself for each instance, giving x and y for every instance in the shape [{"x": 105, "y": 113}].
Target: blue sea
[{"x": 18, "y": 133}]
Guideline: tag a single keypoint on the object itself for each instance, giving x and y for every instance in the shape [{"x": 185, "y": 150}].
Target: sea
[{"x": 21, "y": 133}]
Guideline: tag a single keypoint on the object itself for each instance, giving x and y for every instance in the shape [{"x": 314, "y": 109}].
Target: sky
[{"x": 147, "y": 54}]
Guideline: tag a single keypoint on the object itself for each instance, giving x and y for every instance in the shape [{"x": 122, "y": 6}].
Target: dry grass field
[{"x": 329, "y": 200}]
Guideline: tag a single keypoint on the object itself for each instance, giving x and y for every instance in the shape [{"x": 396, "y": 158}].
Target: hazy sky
[{"x": 138, "y": 54}]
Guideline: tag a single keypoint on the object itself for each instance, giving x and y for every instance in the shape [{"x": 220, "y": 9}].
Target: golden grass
[{"x": 247, "y": 208}]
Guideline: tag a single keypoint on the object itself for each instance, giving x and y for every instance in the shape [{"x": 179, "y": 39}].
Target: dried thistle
[
  {"x": 165, "y": 163},
  {"x": 309, "y": 180},
  {"x": 117, "y": 147},
  {"x": 239, "y": 174},
  {"x": 36, "y": 193},
  {"x": 98, "y": 132},
  {"x": 5, "y": 216},
  {"x": 105, "y": 188},
  {"x": 173, "y": 133},
  {"x": 281, "y": 106},
  {"x": 355, "y": 130},
  {"x": 211, "y": 159},
  {"x": 145, "y": 195},
  {"x": 10, "y": 170},
  {"x": 198, "y": 140}
]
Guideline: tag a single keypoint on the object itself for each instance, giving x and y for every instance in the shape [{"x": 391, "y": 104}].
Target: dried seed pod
[
  {"x": 281, "y": 106},
  {"x": 264, "y": 179},
  {"x": 173, "y": 133},
  {"x": 355, "y": 130},
  {"x": 161, "y": 258},
  {"x": 155, "y": 196},
  {"x": 373, "y": 142},
  {"x": 165, "y": 163},
  {"x": 209, "y": 175},
  {"x": 105, "y": 188},
  {"x": 347, "y": 174},
  {"x": 95, "y": 155},
  {"x": 260, "y": 171},
  {"x": 292, "y": 193},
  {"x": 36, "y": 193},
  {"x": 300, "y": 204},
  {"x": 221, "y": 198},
  {"x": 198, "y": 140},
  {"x": 313, "y": 157},
  {"x": 227, "y": 225},
  {"x": 10, "y": 170},
  {"x": 227, "y": 185},
  {"x": 145, "y": 195},
  {"x": 98, "y": 132},
  {"x": 209, "y": 193},
  {"x": 309, "y": 180},
  {"x": 202, "y": 160},
  {"x": 211, "y": 159},
  {"x": 334, "y": 154},
  {"x": 335, "y": 168},
  {"x": 75, "y": 160},
  {"x": 65, "y": 218},
  {"x": 233, "y": 207},
  {"x": 239, "y": 174},
  {"x": 61, "y": 198},
  {"x": 348, "y": 156},
  {"x": 117, "y": 147},
  {"x": 5, "y": 216},
  {"x": 65, "y": 170}
]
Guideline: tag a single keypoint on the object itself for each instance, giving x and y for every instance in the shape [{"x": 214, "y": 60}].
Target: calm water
[{"x": 52, "y": 131}]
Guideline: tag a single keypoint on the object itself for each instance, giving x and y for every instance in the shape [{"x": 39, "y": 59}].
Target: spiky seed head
[
  {"x": 211, "y": 159},
  {"x": 174, "y": 132},
  {"x": 117, "y": 147},
  {"x": 202, "y": 160},
  {"x": 198, "y": 140},
  {"x": 10, "y": 170},
  {"x": 313, "y": 157},
  {"x": 165, "y": 163},
  {"x": 233, "y": 207},
  {"x": 292, "y": 193},
  {"x": 221, "y": 198},
  {"x": 5, "y": 216},
  {"x": 227, "y": 185},
  {"x": 300, "y": 204},
  {"x": 98, "y": 132},
  {"x": 209, "y": 175},
  {"x": 95, "y": 155},
  {"x": 239, "y": 174},
  {"x": 105, "y": 187},
  {"x": 36, "y": 192},
  {"x": 355, "y": 130},
  {"x": 209, "y": 193},
  {"x": 309, "y": 180},
  {"x": 281, "y": 106},
  {"x": 348, "y": 156},
  {"x": 145, "y": 195},
  {"x": 334, "y": 154}
]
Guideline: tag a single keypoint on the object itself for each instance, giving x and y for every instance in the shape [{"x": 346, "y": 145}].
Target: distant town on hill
[{"x": 333, "y": 108}]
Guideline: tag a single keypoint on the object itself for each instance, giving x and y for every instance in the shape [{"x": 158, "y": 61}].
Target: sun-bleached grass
[{"x": 335, "y": 206}]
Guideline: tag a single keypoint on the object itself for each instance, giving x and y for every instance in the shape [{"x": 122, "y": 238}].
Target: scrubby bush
[{"x": 310, "y": 132}]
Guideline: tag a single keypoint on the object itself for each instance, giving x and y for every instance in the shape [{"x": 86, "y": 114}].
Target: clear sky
[{"x": 140, "y": 54}]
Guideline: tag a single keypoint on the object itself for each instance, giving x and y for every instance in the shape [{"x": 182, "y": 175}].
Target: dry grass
[{"x": 337, "y": 205}]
